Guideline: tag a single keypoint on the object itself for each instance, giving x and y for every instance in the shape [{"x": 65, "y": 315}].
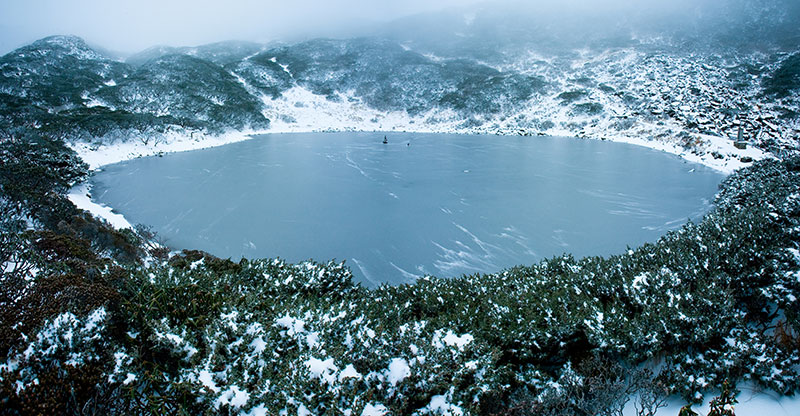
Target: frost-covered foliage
[
  {"x": 61, "y": 85},
  {"x": 632, "y": 89},
  {"x": 786, "y": 78},
  {"x": 388, "y": 77},
  {"x": 55, "y": 72},
  {"x": 220, "y": 53},
  {"x": 713, "y": 302},
  {"x": 58, "y": 365},
  {"x": 186, "y": 88}
]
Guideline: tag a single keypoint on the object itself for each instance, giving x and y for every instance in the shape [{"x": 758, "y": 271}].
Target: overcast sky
[{"x": 130, "y": 26}]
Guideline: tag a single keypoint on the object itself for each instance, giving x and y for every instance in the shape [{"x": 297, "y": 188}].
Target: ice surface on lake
[{"x": 421, "y": 204}]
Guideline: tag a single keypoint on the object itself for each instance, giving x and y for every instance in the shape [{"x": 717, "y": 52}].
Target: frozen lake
[{"x": 435, "y": 204}]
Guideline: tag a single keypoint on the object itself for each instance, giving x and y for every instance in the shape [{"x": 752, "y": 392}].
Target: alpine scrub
[{"x": 713, "y": 302}]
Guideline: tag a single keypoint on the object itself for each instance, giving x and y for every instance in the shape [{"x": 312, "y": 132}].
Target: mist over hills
[{"x": 497, "y": 31}]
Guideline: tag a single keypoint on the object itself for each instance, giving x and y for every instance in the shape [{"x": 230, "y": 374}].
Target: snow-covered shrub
[{"x": 58, "y": 369}]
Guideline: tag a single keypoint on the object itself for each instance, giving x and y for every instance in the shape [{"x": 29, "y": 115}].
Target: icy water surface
[{"x": 422, "y": 204}]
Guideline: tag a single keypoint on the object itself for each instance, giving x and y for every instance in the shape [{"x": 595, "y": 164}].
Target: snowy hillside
[{"x": 645, "y": 92}]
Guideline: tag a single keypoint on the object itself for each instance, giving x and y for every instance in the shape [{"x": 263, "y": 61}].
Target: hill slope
[{"x": 631, "y": 90}]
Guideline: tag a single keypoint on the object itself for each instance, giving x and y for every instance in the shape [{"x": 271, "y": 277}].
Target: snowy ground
[
  {"x": 97, "y": 156},
  {"x": 752, "y": 402},
  {"x": 80, "y": 196}
]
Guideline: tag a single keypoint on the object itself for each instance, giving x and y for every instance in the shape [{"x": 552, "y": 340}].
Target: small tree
[{"x": 724, "y": 403}]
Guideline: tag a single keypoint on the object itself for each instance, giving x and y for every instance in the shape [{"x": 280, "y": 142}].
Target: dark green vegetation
[
  {"x": 786, "y": 79},
  {"x": 96, "y": 320},
  {"x": 64, "y": 87},
  {"x": 183, "y": 85},
  {"x": 388, "y": 77},
  {"x": 61, "y": 86}
]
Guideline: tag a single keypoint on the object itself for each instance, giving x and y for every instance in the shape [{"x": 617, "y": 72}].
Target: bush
[
  {"x": 590, "y": 109},
  {"x": 194, "y": 333},
  {"x": 786, "y": 79},
  {"x": 568, "y": 97}
]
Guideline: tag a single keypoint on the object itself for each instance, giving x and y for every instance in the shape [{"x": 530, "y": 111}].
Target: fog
[{"x": 129, "y": 27}]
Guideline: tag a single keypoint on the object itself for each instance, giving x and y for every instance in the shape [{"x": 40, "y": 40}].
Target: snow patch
[
  {"x": 324, "y": 370},
  {"x": 234, "y": 397},
  {"x": 349, "y": 372},
  {"x": 450, "y": 339},
  {"x": 79, "y": 195},
  {"x": 398, "y": 371},
  {"x": 374, "y": 410}
]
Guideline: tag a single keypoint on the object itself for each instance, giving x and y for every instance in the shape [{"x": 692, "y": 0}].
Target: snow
[
  {"x": 349, "y": 372},
  {"x": 79, "y": 196},
  {"x": 457, "y": 341},
  {"x": 709, "y": 144},
  {"x": 234, "y": 396},
  {"x": 94, "y": 319},
  {"x": 325, "y": 370},
  {"x": 174, "y": 338},
  {"x": 129, "y": 379},
  {"x": 293, "y": 326},
  {"x": 120, "y": 358},
  {"x": 639, "y": 281},
  {"x": 299, "y": 110},
  {"x": 97, "y": 156},
  {"x": 259, "y": 410},
  {"x": 439, "y": 405},
  {"x": 450, "y": 339},
  {"x": 752, "y": 402},
  {"x": 178, "y": 341},
  {"x": 374, "y": 410},
  {"x": 258, "y": 345},
  {"x": 302, "y": 410},
  {"x": 312, "y": 339},
  {"x": 398, "y": 371},
  {"x": 206, "y": 379}
]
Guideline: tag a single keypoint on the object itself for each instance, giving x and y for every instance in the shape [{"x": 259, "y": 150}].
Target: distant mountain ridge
[
  {"x": 634, "y": 89},
  {"x": 220, "y": 53}
]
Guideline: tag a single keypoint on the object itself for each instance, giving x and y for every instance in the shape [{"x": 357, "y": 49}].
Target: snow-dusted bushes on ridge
[
  {"x": 714, "y": 301},
  {"x": 265, "y": 336}
]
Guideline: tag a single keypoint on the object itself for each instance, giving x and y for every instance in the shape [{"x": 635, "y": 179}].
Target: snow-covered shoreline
[
  {"x": 80, "y": 195},
  {"x": 98, "y": 156},
  {"x": 728, "y": 159}
]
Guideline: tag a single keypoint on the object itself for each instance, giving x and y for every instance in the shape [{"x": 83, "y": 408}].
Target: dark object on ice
[
  {"x": 385, "y": 140},
  {"x": 746, "y": 159},
  {"x": 740, "y": 143}
]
